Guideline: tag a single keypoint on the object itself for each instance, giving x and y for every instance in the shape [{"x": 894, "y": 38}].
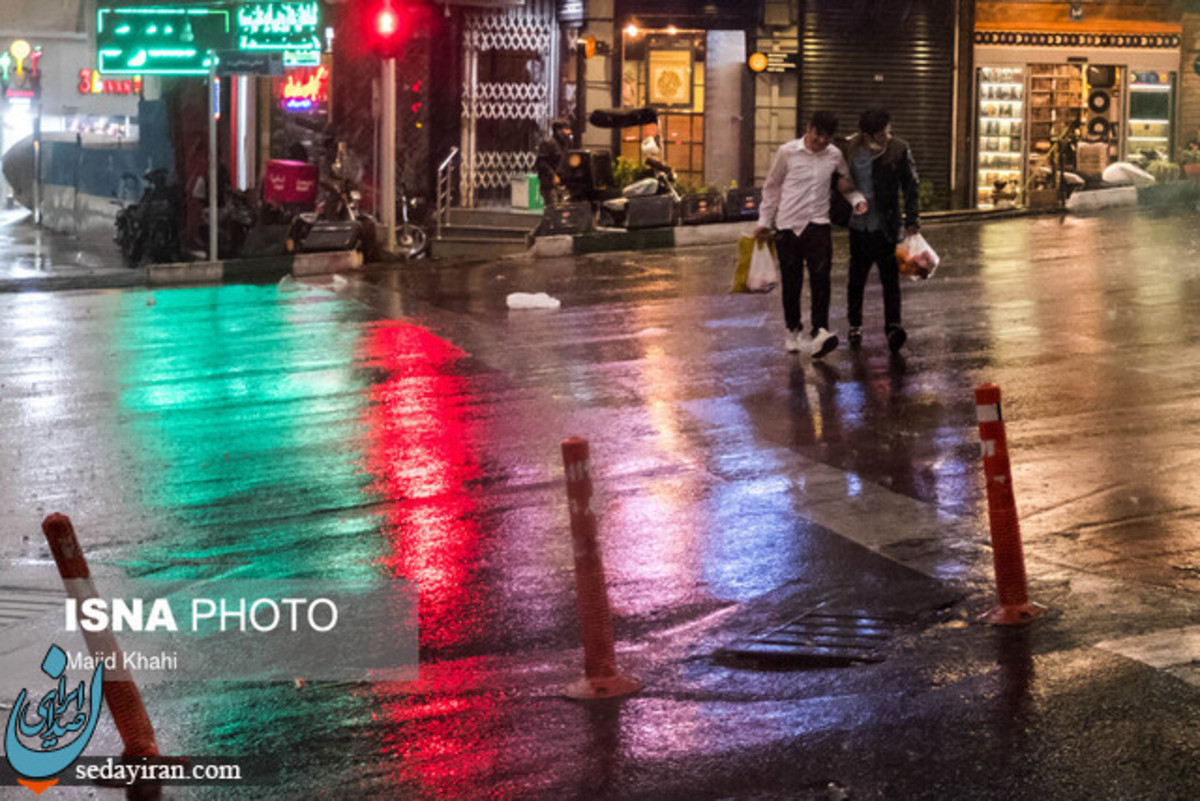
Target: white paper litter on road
[{"x": 528, "y": 300}]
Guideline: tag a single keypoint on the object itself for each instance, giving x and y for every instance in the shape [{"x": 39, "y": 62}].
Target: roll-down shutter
[{"x": 899, "y": 54}]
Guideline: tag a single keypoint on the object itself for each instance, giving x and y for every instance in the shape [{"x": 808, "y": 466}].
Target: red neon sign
[
  {"x": 305, "y": 88},
  {"x": 91, "y": 82}
]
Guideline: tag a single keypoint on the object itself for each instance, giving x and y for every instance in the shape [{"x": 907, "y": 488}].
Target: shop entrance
[
  {"x": 1037, "y": 118},
  {"x": 694, "y": 79},
  {"x": 508, "y": 97}
]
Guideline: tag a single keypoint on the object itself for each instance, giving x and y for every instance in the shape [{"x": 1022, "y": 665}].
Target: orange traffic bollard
[
  {"x": 601, "y": 679},
  {"x": 1007, "y": 552},
  {"x": 122, "y": 696}
]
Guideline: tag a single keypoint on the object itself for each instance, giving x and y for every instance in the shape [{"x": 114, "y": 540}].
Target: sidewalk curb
[
  {"x": 608, "y": 240},
  {"x": 270, "y": 268}
]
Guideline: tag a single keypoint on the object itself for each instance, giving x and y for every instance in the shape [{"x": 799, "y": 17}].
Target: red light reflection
[{"x": 422, "y": 455}]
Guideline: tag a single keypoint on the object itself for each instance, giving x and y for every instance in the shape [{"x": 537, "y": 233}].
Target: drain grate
[{"x": 819, "y": 637}]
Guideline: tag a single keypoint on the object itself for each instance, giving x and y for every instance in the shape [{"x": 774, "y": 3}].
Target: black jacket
[
  {"x": 550, "y": 156},
  {"x": 892, "y": 172}
]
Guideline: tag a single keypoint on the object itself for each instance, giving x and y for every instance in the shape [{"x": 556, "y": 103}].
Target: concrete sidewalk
[
  {"x": 45, "y": 260},
  {"x": 607, "y": 240}
]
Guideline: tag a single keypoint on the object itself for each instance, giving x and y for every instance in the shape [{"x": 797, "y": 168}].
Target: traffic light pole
[
  {"x": 213, "y": 110},
  {"x": 388, "y": 153}
]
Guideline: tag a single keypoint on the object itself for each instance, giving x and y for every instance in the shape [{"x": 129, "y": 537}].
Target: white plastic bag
[
  {"x": 530, "y": 300},
  {"x": 916, "y": 258},
  {"x": 764, "y": 269}
]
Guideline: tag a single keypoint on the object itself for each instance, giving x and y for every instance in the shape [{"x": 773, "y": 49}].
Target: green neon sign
[
  {"x": 301, "y": 58},
  {"x": 294, "y": 26},
  {"x": 160, "y": 40}
]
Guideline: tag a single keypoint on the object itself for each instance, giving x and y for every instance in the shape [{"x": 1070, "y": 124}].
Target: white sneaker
[
  {"x": 822, "y": 343},
  {"x": 791, "y": 341}
]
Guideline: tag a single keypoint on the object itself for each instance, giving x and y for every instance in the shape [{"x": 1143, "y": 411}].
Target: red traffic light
[
  {"x": 387, "y": 23},
  {"x": 385, "y": 28}
]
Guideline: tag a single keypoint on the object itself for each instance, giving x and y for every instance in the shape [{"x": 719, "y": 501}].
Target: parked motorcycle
[
  {"x": 236, "y": 215},
  {"x": 149, "y": 229},
  {"x": 659, "y": 179},
  {"x": 128, "y": 234},
  {"x": 337, "y": 222},
  {"x": 411, "y": 236}
]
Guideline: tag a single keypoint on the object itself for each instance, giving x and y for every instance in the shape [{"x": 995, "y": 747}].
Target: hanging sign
[
  {"x": 19, "y": 73},
  {"x": 305, "y": 89},
  {"x": 160, "y": 40},
  {"x": 237, "y": 62},
  {"x": 91, "y": 82},
  {"x": 772, "y": 61},
  {"x": 279, "y": 26}
]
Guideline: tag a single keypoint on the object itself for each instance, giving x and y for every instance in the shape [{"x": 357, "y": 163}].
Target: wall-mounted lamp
[
  {"x": 631, "y": 30},
  {"x": 1076, "y": 12}
]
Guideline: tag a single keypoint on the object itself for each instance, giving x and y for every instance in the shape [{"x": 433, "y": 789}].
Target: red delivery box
[{"x": 290, "y": 182}]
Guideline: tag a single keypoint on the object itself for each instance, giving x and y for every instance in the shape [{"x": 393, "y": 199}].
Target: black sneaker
[
  {"x": 855, "y": 337},
  {"x": 896, "y": 337}
]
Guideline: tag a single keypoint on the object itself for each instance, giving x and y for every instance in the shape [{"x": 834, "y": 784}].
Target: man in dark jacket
[
  {"x": 882, "y": 167},
  {"x": 550, "y": 155}
]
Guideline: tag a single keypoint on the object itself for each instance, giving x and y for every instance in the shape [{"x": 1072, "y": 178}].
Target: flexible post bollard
[
  {"x": 1007, "y": 552},
  {"x": 122, "y": 696},
  {"x": 601, "y": 679}
]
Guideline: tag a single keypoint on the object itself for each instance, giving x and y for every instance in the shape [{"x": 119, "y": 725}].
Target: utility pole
[
  {"x": 388, "y": 148},
  {"x": 214, "y": 109}
]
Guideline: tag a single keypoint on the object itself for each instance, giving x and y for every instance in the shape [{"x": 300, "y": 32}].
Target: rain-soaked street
[{"x": 405, "y": 423}]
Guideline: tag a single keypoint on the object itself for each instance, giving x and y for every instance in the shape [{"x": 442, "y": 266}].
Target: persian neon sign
[
  {"x": 279, "y": 26},
  {"x": 19, "y": 71},
  {"x": 160, "y": 40},
  {"x": 305, "y": 89}
]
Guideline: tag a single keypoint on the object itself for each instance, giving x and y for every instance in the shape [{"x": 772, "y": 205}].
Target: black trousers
[
  {"x": 867, "y": 248},
  {"x": 813, "y": 247}
]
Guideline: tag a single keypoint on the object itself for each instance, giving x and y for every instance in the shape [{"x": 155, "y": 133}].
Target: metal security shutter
[{"x": 899, "y": 54}]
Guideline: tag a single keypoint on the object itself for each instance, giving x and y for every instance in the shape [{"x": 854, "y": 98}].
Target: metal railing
[{"x": 445, "y": 184}]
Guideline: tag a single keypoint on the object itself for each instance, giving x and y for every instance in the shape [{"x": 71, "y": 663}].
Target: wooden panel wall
[
  {"x": 1152, "y": 16},
  {"x": 1188, "y": 119}
]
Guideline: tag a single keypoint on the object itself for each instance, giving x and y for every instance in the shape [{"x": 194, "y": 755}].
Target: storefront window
[
  {"x": 1151, "y": 98},
  {"x": 665, "y": 69}
]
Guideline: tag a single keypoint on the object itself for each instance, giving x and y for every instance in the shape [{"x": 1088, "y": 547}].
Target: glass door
[{"x": 1148, "y": 131}]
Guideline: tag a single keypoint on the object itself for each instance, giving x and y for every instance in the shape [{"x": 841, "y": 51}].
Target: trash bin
[{"x": 527, "y": 192}]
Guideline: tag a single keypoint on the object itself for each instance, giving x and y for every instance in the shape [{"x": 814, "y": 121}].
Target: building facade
[{"x": 983, "y": 90}]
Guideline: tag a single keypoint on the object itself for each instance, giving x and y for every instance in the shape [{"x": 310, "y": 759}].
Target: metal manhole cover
[{"x": 819, "y": 637}]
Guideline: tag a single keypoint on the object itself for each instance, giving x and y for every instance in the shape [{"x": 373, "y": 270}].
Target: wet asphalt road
[{"x": 405, "y": 423}]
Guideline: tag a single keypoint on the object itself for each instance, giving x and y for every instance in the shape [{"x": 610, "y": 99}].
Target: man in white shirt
[{"x": 795, "y": 205}]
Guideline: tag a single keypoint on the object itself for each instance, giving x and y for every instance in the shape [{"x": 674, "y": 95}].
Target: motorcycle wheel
[
  {"x": 161, "y": 245},
  {"x": 411, "y": 240}
]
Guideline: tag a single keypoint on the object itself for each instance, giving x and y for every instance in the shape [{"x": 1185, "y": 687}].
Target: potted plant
[
  {"x": 1189, "y": 157},
  {"x": 1163, "y": 171}
]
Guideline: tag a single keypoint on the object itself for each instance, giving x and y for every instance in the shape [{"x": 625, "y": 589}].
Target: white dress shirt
[{"x": 796, "y": 191}]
